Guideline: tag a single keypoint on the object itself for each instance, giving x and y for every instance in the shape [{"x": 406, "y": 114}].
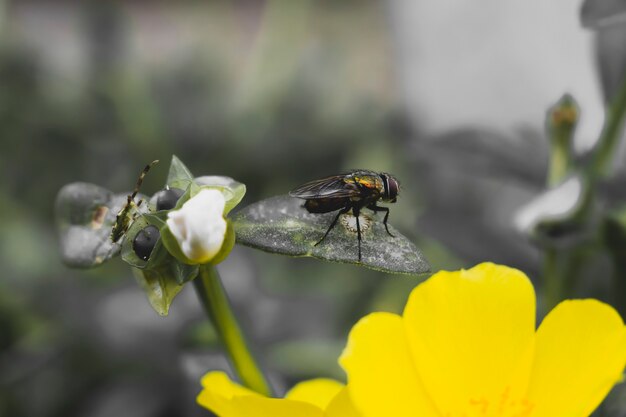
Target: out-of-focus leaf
[
  {"x": 611, "y": 53},
  {"x": 613, "y": 232},
  {"x": 483, "y": 153},
  {"x": 473, "y": 181},
  {"x": 599, "y": 13},
  {"x": 308, "y": 358},
  {"x": 161, "y": 285},
  {"x": 282, "y": 225},
  {"x": 85, "y": 214}
]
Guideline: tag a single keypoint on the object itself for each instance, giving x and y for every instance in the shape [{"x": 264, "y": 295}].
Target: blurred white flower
[{"x": 199, "y": 225}]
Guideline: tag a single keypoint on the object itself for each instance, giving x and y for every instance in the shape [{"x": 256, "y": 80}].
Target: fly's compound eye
[
  {"x": 168, "y": 198},
  {"x": 144, "y": 242},
  {"x": 394, "y": 189}
]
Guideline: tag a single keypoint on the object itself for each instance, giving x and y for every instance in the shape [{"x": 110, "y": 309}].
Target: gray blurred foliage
[
  {"x": 475, "y": 180},
  {"x": 87, "y": 343},
  {"x": 602, "y": 13}
]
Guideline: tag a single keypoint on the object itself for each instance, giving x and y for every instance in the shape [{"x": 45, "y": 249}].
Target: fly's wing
[{"x": 334, "y": 187}]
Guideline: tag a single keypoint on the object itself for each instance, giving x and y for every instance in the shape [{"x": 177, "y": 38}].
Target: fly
[{"x": 351, "y": 191}]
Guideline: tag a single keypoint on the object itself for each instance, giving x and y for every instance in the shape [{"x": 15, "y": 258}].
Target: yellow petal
[
  {"x": 342, "y": 406},
  {"x": 228, "y": 399},
  {"x": 218, "y": 392},
  {"x": 273, "y": 407},
  {"x": 580, "y": 355},
  {"x": 318, "y": 392},
  {"x": 471, "y": 335},
  {"x": 381, "y": 376}
]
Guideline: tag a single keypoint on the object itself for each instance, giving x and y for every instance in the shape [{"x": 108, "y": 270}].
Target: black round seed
[
  {"x": 144, "y": 242},
  {"x": 167, "y": 199}
]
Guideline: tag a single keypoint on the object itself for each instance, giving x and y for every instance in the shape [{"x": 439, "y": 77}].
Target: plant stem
[
  {"x": 559, "y": 165},
  {"x": 552, "y": 278},
  {"x": 611, "y": 134},
  {"x": 560, "y": 267},
  {"x": 561, "y": 123},
  {"x": 211, "y": 292}
]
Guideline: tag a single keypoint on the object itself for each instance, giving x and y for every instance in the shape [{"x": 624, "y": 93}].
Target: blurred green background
[{"x": 272, "y": 94}]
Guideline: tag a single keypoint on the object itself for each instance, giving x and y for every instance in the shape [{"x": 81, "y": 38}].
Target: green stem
[
  {"x": 561, "y": 123},
  {"x": 211, "y": 292},
  {"x": 553, "y": 281},
  {"x": 559, "y": 165}
]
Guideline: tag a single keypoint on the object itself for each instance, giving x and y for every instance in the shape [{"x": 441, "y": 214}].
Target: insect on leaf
[
  {"x": 85, "y": 214},
  {"x": 282, "y": 225}
]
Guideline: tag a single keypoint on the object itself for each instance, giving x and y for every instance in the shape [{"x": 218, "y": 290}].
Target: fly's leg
[
  {"x": 342, "y": 211},
  {"x": 356, "y": 213},
  {"x": 376, "y": 208}
]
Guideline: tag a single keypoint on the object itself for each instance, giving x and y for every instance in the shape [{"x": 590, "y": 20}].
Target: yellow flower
[
  {"x": 466, "y": 346},
  {"x": 314, "y": 398}
]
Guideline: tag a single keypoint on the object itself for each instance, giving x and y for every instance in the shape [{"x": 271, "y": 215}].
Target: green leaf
[
  {"x": 282, "y": 225},
  {"x": 182, "y": 272},
  {"x": 178, "y": 176},
  {"x": 162, "y": 280},
  {"x": 160, "y": 286},
  {"x": 85, "y": 214}
]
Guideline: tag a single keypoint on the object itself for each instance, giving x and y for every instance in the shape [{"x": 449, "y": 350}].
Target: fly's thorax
[{"x": 369, "y": 185}]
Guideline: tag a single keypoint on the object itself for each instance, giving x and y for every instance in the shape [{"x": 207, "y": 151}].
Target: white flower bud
[{"x": 199, "y": 225}]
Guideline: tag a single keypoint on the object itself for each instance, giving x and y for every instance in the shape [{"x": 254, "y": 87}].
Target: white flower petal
[{"x": 199, "y": 225}]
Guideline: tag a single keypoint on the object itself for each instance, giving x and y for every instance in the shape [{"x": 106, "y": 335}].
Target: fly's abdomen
[{"x": 325, "y": 205}]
